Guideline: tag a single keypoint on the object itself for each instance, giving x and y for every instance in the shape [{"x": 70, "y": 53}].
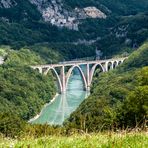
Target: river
[{"x": 64, "y": 104}]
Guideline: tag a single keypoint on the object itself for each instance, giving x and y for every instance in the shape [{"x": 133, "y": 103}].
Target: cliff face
[{"x": 53, "y": 11}]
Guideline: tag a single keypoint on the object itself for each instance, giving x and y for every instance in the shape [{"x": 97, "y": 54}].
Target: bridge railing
[{"x": 93, "y": 58}]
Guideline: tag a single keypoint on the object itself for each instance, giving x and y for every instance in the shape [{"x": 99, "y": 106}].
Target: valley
[{"x": 36, "y": 35}]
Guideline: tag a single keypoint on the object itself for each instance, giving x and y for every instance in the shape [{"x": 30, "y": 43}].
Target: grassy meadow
[{"x": 99, "y": 140}]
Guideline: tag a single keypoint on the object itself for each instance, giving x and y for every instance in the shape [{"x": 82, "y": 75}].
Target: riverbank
[
  {"x": 100, "y": 140},
  {"x": 38, "y": 115},
  {"x": 62, "y": 105}
]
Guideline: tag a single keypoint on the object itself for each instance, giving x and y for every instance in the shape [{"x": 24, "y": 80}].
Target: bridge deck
[{"x": 71, "y": 63}]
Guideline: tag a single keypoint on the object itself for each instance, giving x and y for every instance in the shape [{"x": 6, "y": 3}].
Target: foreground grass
[{"x": 100, "y": 140}]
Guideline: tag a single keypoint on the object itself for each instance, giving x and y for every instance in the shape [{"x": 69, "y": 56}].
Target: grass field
[{"x": 100, "y": 140}]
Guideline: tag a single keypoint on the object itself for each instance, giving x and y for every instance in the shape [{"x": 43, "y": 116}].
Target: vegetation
[
  {"x": 119, "y": 98},
  {"x": 117, "y": 7},
  {"x": 23, "y": 91},
  {"x": 100, "y": 140},
  {"x": 126, "y": 36},
  {"x": 62, "y": 51},
  {"x": 23, "y": 25}
]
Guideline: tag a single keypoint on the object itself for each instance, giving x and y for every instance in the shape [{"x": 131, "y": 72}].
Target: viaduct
[{"x": 63, "y": 70}]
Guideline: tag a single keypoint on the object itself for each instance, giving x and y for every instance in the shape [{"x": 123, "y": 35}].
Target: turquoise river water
[{"x": 64, "y": 104}]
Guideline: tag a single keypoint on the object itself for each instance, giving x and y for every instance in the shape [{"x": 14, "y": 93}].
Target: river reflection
[{"x": 64, "y": 104}]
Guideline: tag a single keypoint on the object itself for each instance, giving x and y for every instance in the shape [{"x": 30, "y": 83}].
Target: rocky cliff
[{"x": 53, "y": 11}]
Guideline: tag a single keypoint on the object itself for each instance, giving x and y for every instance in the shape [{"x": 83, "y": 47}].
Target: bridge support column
[
  {"x": 122, "y": 61},
  {"x": 88, "y": 77},
  {"x": 112, "y": 66},
  {"x": 63, "y": 79},
  {"x": 106, "y": 67}
]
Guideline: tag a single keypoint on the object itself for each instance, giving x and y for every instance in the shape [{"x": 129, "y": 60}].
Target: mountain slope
[
  {"x": 23, "y": 91},
  {"x": 129, "y": 33},
  {"x": 122, "y": 7},
  {"x": 28, "y": 22},
  {"x": 119, "y": 98}
]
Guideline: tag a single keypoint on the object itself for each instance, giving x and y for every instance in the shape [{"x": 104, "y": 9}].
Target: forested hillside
[
  {"x": 120, "y": 7},
  {"x": 50, "y": 31},
  {"x": 23, "y": 91},
  {"x": 22, "y": 24},
  {"x": 119, "y": 98}
]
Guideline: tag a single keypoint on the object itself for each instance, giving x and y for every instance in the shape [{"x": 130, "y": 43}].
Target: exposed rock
[
  {"x": 93, "y": 12},
  {"x": 121, "y": 31},
  {"x": 7, "y": 3},
  {"x": 128, "y": 41},
  {"x": 54, "y": 12}
]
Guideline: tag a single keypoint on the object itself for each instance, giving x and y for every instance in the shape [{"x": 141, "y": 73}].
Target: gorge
[
  {"x": 66, "y": 62},
  {"x": 73, "y": 85}
]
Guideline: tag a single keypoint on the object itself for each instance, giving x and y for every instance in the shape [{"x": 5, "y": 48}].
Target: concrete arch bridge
[{"x": 63, "y": 70}]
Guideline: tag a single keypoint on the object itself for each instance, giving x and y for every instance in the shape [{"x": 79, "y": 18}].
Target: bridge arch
[
  {"x": 109, "y": 65},
  {"x": 39, "y": 69},
  {"x": 115, "y": 64},
  {"x": 81, "y": 73},
  {"x": 120, "y": 62},
  {"x": 63, "y": 78},
  {"x": 93, "y": 71},
  {"x": 56, "y": 76}
]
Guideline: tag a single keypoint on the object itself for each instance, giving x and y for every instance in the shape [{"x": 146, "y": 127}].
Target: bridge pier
[
  {"x": 112, "y": 66},
  {"x": 40, "y": 70},
  {"x": 63, "y": 79},
  {"x": 105, "y": 66},
  {"x": 88, "y": 76}
]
